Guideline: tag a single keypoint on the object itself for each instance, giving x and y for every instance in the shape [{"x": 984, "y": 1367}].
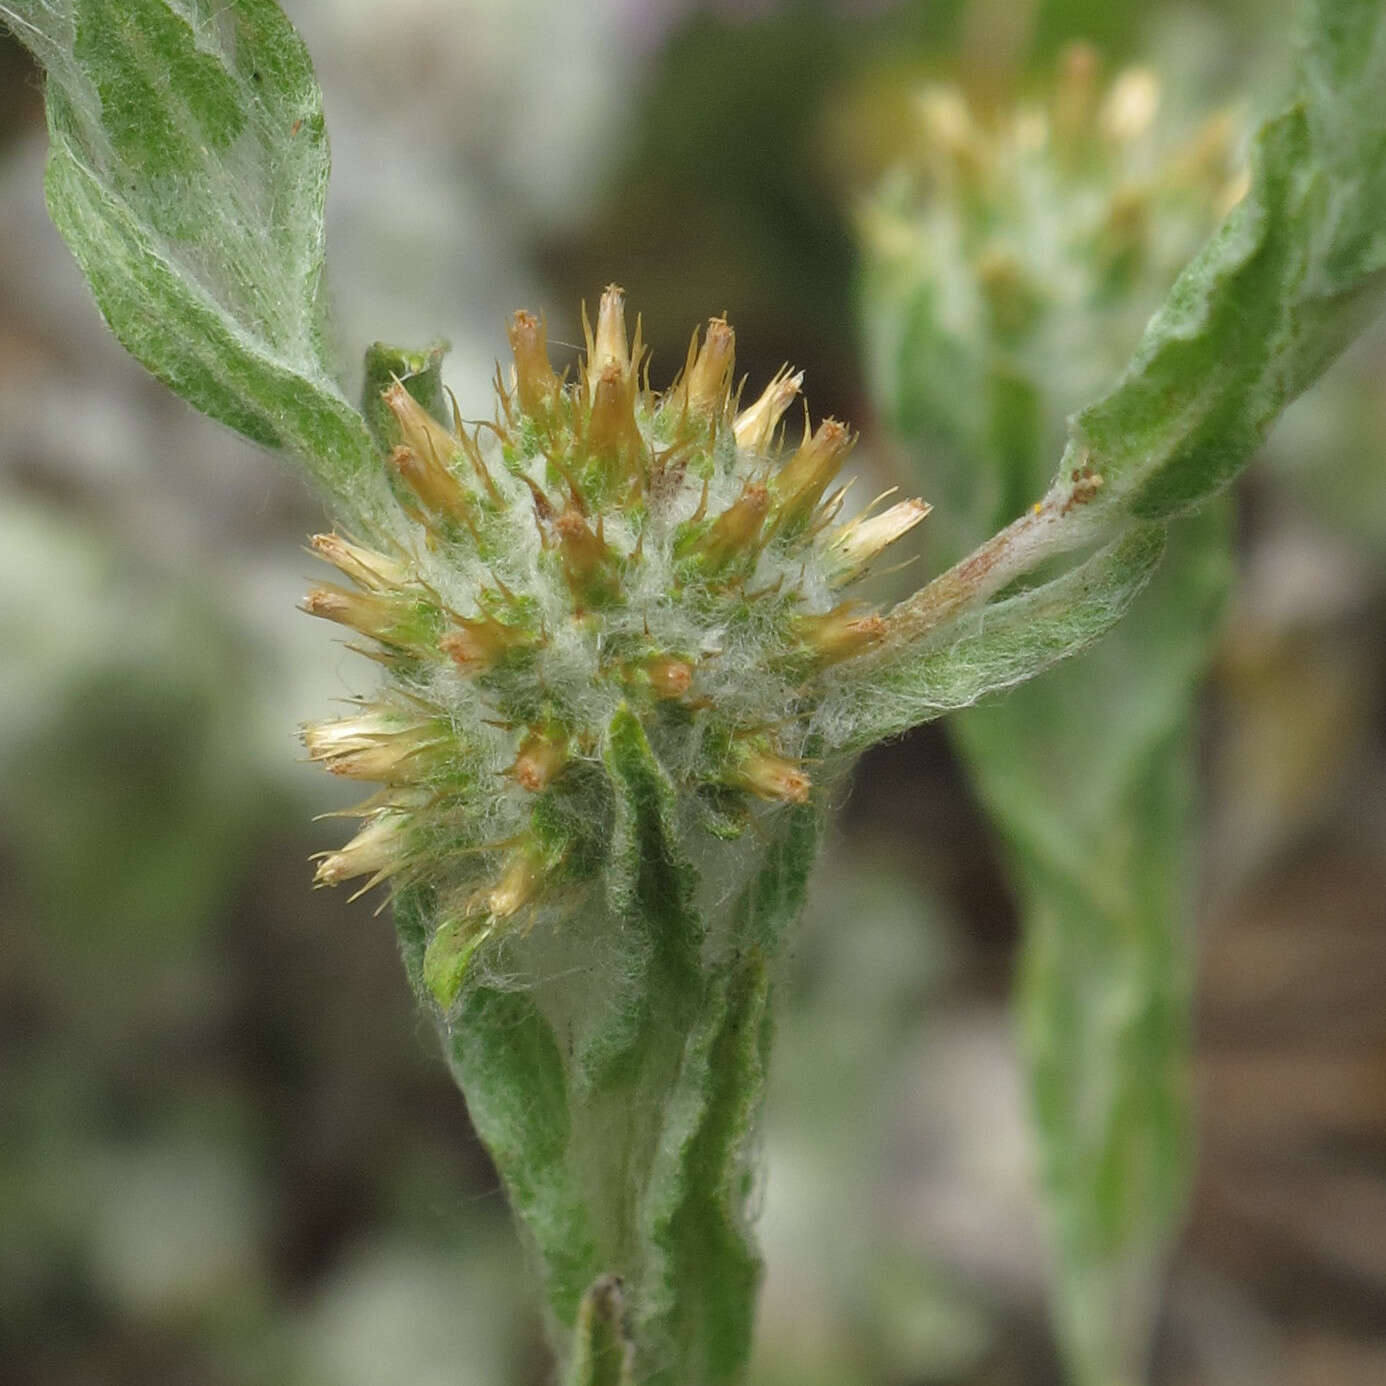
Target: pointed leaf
[
  {"x": 706, "y": 1266},
  {"x": 1087, "y": 773},
  {"x": 651, "y": 879},
  {"x": 1297, "y": 270},
  {"x": 448, "y": 953},
  {"x": 511, "y": 1071},
  {"x": 702, "y": 1292},
  {"x": 649, "y": 890},
  {"x": 187, "y": 169},
  {"x": 994, "y": 648}
]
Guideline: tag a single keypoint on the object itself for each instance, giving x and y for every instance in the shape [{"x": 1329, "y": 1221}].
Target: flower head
[{"x": 599, "y": 549}]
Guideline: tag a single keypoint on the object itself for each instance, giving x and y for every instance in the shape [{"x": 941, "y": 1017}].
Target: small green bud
[
  {"x": 541, "y": 757},
  {"x": 420, "y": 432},
  {"x": 482, "y": 643},
  {"x": 448, "y": 953},
  {"x": 434, "y": 483},
  {"x": 767, "y": 775},
  {"x": 365, "y": 568},
  {"x": 379, "y": 746},
  {"x": 669, "y": 677},
  {"x": 608, "y": 347},
  {"x": 588, "y": 561},
  {"x": 613, "y": 434},
  {"x": 399, "y": 619},
  {"x": 377, "y": 851},
  {"x": 735, "y": 533},
  {"x": 519, "y": 884}
]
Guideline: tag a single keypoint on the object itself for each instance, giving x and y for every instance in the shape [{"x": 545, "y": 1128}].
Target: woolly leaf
[
  {"x": 187, "y": 168},
  {"x": 703, "y": 1290},
  {"x": 775, "y": 897},
  {"x": 447, "y": 955},
  {"x": 508, "y": 1064},
  {"x": 651, "y": 880},
  {"x": 649, "y": 891},
  {"x": 707, "y": 1269},
  {"x": 1087, "y": 774},
  {"x": 1296, "y": 271},
  {"x": 1000, "y": 645}
]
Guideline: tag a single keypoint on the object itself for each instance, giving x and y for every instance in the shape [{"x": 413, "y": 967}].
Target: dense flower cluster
[{"x": 594, "y": 547}]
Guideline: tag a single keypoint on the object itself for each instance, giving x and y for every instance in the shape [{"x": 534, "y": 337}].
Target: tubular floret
[{"x": 802, "y": 481}]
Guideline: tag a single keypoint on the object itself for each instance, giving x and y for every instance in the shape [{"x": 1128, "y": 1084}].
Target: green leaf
[
  {"x": 667, "y": 1115},
  {"x": 1103, "y": 1004},
  {"x": 996, "y": 647},
  {"x": 506, "y": 1059},
  {"x": 1087, "y": 773},
  {"x": 187, "y": 169},
  {"x": 618, "y": 1094},
  {"x": 649, "y": 889},
  {"x": 707, "y": 1271},
  {"x": 510, "y": 1068},
  {"x": 705, "y": 1267},
  {"x": 1296, "y": 271},
  {"x": 651, "y": 882}
]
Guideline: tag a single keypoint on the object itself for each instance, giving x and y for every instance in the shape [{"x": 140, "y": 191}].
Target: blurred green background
[{"x": 229, "y": 1152}]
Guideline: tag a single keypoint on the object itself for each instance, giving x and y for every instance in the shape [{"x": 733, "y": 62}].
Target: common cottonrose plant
[{"x": 621, "y": 661}]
